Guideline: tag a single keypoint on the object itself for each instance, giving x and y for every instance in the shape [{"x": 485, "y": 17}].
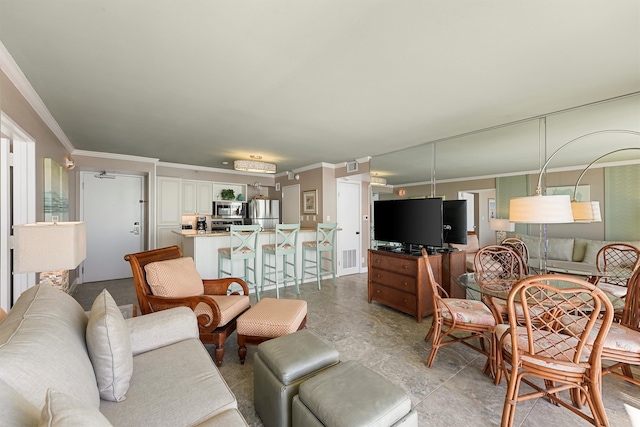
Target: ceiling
[{"x": 300, "y": 82}]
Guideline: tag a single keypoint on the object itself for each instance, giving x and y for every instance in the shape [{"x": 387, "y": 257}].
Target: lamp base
[{"x": 57, "y": 278}]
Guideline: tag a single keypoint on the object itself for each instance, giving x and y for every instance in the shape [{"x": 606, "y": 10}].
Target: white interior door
[
  {"x": 349, "y": 237},
  {"x": 112, "y": 208},
  {"x": 291, "y": 204}
]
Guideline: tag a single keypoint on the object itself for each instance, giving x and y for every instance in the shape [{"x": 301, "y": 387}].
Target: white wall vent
[
  {"x": 349, "y": 258},
  {"x": 352, "y": 167}
]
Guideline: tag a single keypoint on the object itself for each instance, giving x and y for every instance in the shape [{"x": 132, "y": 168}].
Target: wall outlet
[
  {"x": 328, "y": 218},
  {"x": 314, "y": 218}
]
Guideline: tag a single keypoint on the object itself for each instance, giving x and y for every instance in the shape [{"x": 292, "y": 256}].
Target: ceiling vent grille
[{"x": 352, "y": 167}]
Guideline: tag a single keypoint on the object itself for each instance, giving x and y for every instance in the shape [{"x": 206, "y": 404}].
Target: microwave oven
[{"x": 229, "y": 209}]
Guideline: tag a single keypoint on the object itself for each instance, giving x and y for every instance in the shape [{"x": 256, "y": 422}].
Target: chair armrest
[
  {"x": 162, "y": 328},
  {"x": 220, "y": 286}
]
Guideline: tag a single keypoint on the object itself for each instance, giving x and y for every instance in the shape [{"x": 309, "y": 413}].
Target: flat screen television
[
  {"x": 409, "y": 222},
  {"x": 454, "y": 221}
]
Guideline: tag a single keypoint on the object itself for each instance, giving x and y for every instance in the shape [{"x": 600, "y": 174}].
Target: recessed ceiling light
[
  {"x": 225, "y": 163},
  {"x": 255, "y": 157}
]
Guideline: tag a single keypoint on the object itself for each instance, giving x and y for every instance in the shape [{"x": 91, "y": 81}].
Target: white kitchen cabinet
[
  {"x": 169, "y": 196},
  {"x": 197, "y": 197}
]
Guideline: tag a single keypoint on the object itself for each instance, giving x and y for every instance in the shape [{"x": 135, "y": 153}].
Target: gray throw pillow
[{"x": 109, "y": 348}]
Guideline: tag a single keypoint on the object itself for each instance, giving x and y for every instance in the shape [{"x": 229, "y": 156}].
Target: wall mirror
[{"x": 56, "y": 191}]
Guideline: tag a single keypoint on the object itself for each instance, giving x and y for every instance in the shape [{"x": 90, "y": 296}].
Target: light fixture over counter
[
  {"x": 254, "y": 166},
  {"x": 378, "y": 180}
]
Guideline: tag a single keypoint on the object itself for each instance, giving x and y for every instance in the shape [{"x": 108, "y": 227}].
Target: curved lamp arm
[
  {"x": 575, "y": 189},
  {"x": 544, "y": 167}
]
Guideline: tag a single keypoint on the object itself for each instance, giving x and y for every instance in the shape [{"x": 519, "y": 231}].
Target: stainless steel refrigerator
[{"x": 265, "y": 212}]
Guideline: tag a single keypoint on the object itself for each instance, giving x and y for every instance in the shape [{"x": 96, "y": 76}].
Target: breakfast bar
[{"x": 203, "y": 248}]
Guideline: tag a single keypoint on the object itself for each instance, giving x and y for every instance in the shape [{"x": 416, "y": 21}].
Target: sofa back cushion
[
  {"x": 15, "y": 410},
  {"x": 174, "y": 278},
  {"x": 559, "y": 249},
  {"x": 42, "y": 346}
]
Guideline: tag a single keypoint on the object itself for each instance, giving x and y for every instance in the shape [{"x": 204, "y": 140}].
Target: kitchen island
[{"x": 203, "y": 248}]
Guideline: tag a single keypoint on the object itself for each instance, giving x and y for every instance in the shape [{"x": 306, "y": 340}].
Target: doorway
[
  {"x": 112, "y": 205},
  {"x": 349, "y": 237}
]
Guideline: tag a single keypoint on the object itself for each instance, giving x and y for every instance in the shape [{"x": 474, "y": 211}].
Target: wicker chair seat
[{"x": 467, "y": 311}]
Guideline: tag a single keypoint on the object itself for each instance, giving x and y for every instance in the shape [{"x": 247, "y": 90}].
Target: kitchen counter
[
  {"x": 194, "y": 233},
  {"x": 203, "y": 248}
]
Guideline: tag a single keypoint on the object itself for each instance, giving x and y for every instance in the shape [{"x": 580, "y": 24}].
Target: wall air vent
[{"x": 352, "y": 167}]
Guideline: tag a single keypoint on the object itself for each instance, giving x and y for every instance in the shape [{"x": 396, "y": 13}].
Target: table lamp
[
  {"x": 49, "y": 248},
  {"x": 501, "y": 226}
]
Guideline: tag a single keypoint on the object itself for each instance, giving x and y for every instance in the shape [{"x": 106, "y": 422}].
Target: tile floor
[{"x": 453, "y": 392}]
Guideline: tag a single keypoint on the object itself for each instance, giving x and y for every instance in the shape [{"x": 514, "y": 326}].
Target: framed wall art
[{"x": 309, "y": 202}]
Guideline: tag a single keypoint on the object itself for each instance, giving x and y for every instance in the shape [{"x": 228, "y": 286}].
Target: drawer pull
[
  {"x": 405, "y": 266},
  {"x": 378, "y": 275},
  {"x": 377, "y": 291},
  {"x": 405, "y": 284}
]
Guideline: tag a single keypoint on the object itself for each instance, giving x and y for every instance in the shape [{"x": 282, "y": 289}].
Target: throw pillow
[
  {"x": 174, "y": 278},
  {"x": 109, "y": 348},
  {"x": 65, "y": 411}
]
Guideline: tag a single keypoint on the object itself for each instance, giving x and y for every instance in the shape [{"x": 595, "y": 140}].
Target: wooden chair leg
[{"x": 242, "y": 348}]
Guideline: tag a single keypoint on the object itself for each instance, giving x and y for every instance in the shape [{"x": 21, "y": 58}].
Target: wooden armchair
[{"x": 215, "y": 310}]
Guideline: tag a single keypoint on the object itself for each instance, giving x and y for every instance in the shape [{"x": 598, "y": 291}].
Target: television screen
[
  {"x": 454, "y": 221},
  {"x": 409, "y": 221}
]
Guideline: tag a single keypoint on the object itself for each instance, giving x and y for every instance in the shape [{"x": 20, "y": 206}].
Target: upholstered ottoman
[
  {"x": 280, "y": 366},
  {"x": 350, "y": 394},
  {"x": 269, "y": 318}
]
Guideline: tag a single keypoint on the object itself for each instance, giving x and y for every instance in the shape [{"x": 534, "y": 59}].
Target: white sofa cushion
[
  {"x": 174, "y": 278},
  {"x": 109, "y": 348},
  {"x": 179, "y": 385},
  {"x": 43, "y": 345},
  {"x": 61, "y": 410},
  {"x": 16, "y": 410}
]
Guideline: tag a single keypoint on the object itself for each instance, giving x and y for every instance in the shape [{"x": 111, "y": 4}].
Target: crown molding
[
  {"x": 20, "y": 81},
  {"x": 114, "y": 156}
]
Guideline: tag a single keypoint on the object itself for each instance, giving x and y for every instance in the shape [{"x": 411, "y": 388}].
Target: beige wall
[{"x": 15, "y": 106}]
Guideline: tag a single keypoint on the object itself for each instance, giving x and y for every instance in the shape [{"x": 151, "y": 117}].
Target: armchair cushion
[
  {"x": 230, "y": 307},
  {"x": 109, "y": 348},
  {"x": 174, "y": 278},
  {"x": 65, "y": 411}
]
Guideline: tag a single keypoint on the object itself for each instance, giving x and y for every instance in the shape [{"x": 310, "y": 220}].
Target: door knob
[{"x": 136, "y": 228}]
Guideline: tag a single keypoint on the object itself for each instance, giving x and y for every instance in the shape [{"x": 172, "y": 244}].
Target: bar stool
[
  {"x": 325, "y": 242},
  {"x": 286, "y": 245},
  {"x": 243, "y": 246}
]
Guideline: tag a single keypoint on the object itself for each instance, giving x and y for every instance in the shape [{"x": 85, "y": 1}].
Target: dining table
[{"x": 486, "y": 287}]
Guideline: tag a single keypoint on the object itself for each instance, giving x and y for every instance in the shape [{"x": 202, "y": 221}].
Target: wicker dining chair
[
  {"x": 618, "y": 261},
  {"x": 545, "y": 347},
  {"x": 458, "y": 315},
  {"x": 521, "y": 248},
  {"x": 495, "y": 264},
  {"x": 622, "y": 345}
]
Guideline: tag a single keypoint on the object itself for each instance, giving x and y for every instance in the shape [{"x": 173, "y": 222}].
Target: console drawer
[
  {"x": 397, "y": 264},
  {"x": 394, "y": 280},
  {"x": 402, "y": 301}
]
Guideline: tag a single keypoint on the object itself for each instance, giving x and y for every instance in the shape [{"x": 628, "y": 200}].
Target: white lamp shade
[
  {"x": 501, "y": 225},
  {"x": 541, "y": 209},
  {"x": 586, "y": 211},
  {"x": 45, "y": 246}
]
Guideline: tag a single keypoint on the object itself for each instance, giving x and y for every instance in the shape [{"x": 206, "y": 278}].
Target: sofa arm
[{"x": 161, "y": 328}]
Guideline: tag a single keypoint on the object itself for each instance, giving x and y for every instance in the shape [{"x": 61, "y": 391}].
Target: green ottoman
[
  {"x": 280, "y": 366},
  {"x": 350, "y": 394}
]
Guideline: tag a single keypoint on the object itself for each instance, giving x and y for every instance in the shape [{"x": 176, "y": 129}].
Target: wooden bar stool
[
  {"x": 286, "y": 245},
  {"x": 324, "y": 243},
  {"x": 243, "y": 246}
]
